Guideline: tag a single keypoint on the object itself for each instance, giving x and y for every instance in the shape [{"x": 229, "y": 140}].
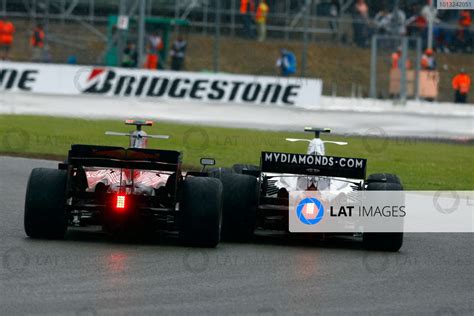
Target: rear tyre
[
  {"x": 201, "y": 211},
  {"x": 218, "y": 172},
  {"x": 45, "y": 202},
  {"x": 383, "y": 241},
  {"x": 240, "y": 206},
  {"x": 240, "y": 168},
  {"x": 383, "y": 178}
]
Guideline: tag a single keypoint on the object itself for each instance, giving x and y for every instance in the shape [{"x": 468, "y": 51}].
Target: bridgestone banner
[{"x": 164, "y": 85}]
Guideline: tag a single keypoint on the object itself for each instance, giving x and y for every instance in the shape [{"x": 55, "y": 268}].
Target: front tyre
[
  {"x": 201, "y": 211},
  {"x": 45, "y": 204}
]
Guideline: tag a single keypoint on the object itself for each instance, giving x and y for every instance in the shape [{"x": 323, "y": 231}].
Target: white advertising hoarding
[{"x": 186, "y": 86}]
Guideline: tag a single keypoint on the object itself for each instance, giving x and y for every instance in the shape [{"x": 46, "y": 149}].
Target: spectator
[
  {"x": 37, "y": 43},
  {"x": 247, "y": 8},
  {"x": 155, "y": 45},
  {"x": 428, "y": 61},
  {"x": 286, "y": 63},
  {"x": 178, "y": 53},
  {"x": 461, "y": 85},
  {"x": 261, "y": 19},
  {"x": 3, "y": 48},
  {"x": 397, "y": 59},
  {"x": 463, "y": 35},
  {"x": 7, "y": 30},
  {"x": 46, "y": 55},
  {"x": 360, "y": 19},
  {"x": 71, "y": 60},
  {"x": 430, "y": 12},
  {"x": 417, "y": 24},
  {"x": 465, "y": 19},
  {"x": 443, "y": 38},
  {"x": 382, "y": 23},
  {"x": 334, "y": 11},
  {"x": 397, "y": 20},
  {"x": 130, "y": 56}
]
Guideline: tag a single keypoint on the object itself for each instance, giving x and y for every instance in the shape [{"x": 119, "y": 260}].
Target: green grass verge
[{"x": 421, "y": 165}]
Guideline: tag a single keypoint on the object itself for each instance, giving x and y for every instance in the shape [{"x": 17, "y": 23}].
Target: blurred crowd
[
  {"x": 154, "y": 47},
  {"x": 451, "y": 33},
  {"x": 451, "y": 28},
  {"x": 39, "y": 50},
  {"x": 413, "y": 21}
]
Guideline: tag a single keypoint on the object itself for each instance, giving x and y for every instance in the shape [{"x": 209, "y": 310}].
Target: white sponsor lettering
[
  {"x": 268, "y": 157},
  {"x": 314, "y": 160},
  {"x": 342, "y": 162},
  {"x": 350, "y": 163}
]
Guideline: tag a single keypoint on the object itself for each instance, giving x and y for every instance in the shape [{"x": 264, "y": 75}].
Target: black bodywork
[
  {"x": 272, "y": 210},
  {"x": 96, "y": 206}
]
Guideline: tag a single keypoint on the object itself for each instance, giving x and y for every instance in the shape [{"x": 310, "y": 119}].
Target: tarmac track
[{"x": 91, "y": 274}]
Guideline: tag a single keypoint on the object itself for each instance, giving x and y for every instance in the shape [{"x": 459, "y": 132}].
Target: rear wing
[
  {"x": 118, "y": 157},
  {"x": 329, "y": 166},
  {"x": 139, "y": 123}
]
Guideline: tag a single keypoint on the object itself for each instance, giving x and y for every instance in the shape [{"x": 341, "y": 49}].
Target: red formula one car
[{"x": 125, "y": 190}]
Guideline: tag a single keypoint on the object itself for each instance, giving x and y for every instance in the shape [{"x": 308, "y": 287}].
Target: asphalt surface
[{"x": 91, "y": 274}]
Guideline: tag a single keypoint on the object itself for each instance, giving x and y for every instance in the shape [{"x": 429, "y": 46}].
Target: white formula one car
[{"x": 257, "y": 197}]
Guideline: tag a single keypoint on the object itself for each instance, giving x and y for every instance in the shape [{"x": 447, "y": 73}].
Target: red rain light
[{"x": 121, "y": 202}]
